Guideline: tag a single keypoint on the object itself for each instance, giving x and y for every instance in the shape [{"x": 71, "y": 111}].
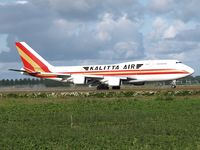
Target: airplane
[{"x": 103, "y": 76}]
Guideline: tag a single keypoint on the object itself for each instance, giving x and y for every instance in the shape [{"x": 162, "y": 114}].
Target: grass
[{"x": 143, "y": 122}]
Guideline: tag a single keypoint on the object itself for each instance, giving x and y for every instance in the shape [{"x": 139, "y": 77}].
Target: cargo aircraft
[{"x": 103, "y": 76}]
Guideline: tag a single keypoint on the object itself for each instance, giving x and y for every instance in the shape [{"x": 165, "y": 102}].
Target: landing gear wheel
[
  {"x": 173, "y": 86},
  {"x": 116, "y": 87},
  {"x": 102, "y": 87}
]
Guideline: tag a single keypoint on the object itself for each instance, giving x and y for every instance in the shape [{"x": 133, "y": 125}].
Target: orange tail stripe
[
  {"x": 30, "y": 61},
  {"x": 35, "y": 59}
]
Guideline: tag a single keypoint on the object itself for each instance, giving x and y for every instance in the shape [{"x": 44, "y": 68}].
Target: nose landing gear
[{"x": 173, "y": 84}]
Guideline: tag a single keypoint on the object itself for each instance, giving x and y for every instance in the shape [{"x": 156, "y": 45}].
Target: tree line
[
  {"x": 52, "y": 83},
  {"x": 31, "y": 82}
]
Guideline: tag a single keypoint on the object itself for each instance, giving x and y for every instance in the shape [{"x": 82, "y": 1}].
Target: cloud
[
  {"x": 176, "y": 27},
  {"x": 21, "y": 2},
  {"x": 122, "y": 26},
  {"x": 189, "y": 35},
  {"x": 128, "y": 50},
  {"x": 170, "y": 33},
  {"x": 3, "y": 46},
  {"x": 87, "y": 31},
  {"x": 74, "y": 38},
  {"x": 122, "y": 37},
  {"x": 161, "y": 6},
  {"x": 184, "y": 10},
  {"x": 13, "y": 2},
  {"x": 88, "y": 10},
  {"x": 173, "y": 39}
]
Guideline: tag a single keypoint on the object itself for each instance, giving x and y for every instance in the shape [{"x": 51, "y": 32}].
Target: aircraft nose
[{"x": 190, "y": 70}]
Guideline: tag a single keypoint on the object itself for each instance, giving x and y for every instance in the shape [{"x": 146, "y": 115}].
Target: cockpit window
[{"x": 178, "y": 62}]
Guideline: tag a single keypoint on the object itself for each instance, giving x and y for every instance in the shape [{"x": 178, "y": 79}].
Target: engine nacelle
[
  {"x": 78, "y": 79},
  {"x": 112, "y": 81}
]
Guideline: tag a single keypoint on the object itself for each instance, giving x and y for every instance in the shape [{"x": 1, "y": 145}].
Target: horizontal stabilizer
[
  {"x": 18, "y": 70},
  {"x": 59, "y": 75},
  {"x": 24, "y": 71}
]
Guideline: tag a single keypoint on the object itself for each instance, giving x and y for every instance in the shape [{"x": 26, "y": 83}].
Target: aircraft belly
[{"x": 161, "y": 77}]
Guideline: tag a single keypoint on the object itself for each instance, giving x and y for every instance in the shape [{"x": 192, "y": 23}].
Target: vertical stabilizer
[{"x": 32, "y": 61}]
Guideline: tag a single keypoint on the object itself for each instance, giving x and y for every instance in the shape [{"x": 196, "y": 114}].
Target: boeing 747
[{"x": 104, "y": 76}]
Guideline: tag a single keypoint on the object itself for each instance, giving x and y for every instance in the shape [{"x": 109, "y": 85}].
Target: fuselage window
[{"x": 178, "y": 62}]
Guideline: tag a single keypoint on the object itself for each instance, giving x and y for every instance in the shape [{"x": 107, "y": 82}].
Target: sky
[{"x": 68, "y": 32}]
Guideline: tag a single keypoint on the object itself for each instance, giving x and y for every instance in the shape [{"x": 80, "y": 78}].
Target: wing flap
[{"x": 58, "y": 75}]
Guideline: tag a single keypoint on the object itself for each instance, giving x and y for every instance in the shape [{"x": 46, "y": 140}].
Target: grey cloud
[
  {"x": 171, "y": 47},
  {"x": 187, "y": 10},
  {"x": 191, "y": 35},
  {"x": 49, "y": 32},
  {"x": 19, "y": 18},
  {"x": 161, "y": 6},
  {"x": 79, "y": 32},
  {"x": 184, "y": 9},
  {"x": 128, "y": 50},
  {"x": 89, "y": 10}
]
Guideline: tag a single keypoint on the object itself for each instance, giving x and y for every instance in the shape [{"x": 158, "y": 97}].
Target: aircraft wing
[
  {"x": 77, "y": 78},
  {"x": 59, "y": 75}
]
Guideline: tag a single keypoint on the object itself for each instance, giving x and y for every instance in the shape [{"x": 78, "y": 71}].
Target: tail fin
[{"x": 32, "y": 61}]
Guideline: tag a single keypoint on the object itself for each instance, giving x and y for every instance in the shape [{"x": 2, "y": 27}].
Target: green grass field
[{"x": 140, "y": 122}]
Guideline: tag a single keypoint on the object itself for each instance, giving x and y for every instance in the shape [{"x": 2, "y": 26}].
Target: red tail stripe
[
  {"x": 27, "y": 65},
  {"x": 35, "y": 59}
]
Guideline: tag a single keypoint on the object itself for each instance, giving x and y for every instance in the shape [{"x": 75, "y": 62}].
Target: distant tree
[
  {"x": 33, "y": 81},
  {"x": 16, "y": 82},
  {"x": 197, "y": 78},
  {"x": 3, "y": 82},
  {"x": 20, "y": 82},
  {"x": 11, "y": 82},
  {"x": 7, "y": 82}
]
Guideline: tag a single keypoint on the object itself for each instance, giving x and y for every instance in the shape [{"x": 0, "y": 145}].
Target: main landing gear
[
  {"x": 173, "y": 84},
  {"x": 106, "y": 87},
  {"x": 102, "y": 87},
  {"x": 116, "y": 87}
]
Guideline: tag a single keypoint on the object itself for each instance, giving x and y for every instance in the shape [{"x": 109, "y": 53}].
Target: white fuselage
[{"x": 135, "y": 71}]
